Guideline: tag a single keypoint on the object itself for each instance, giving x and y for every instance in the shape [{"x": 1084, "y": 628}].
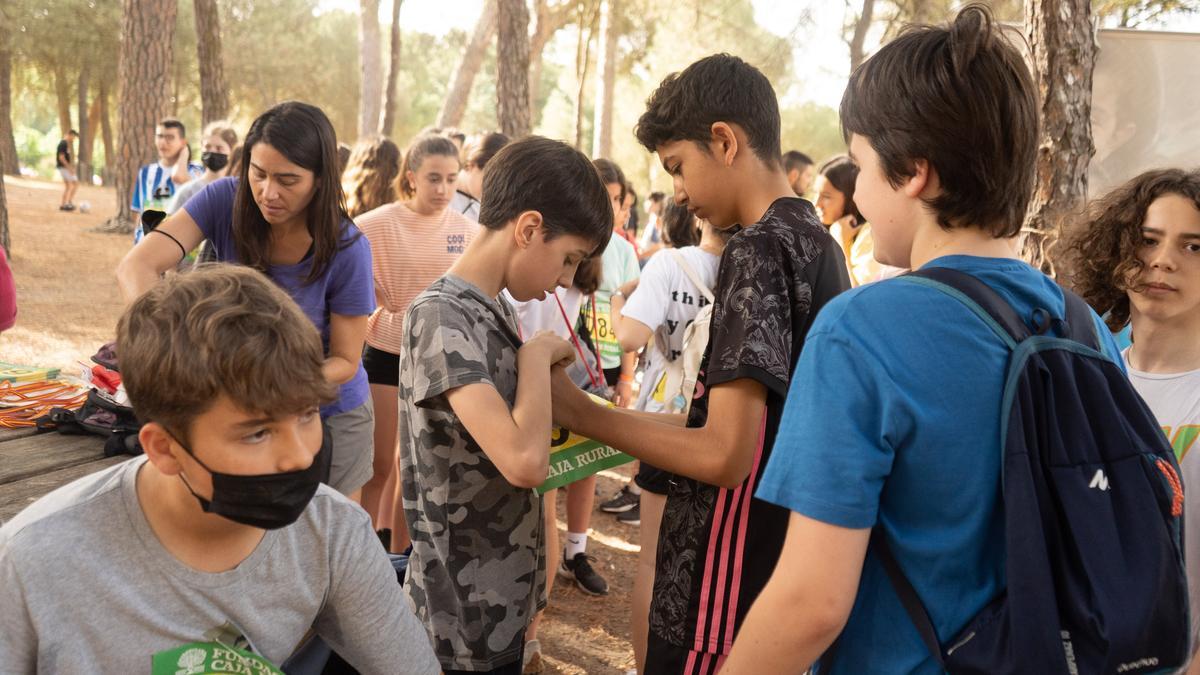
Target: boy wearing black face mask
[
  {"x": 219, "y": 141},
  {"x": 221, "y": 532}
]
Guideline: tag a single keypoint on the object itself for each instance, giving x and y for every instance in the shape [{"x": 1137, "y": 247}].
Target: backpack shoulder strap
[
  {"x": 978, "y": 297},
  {"x": 1080, "y": 325},
  {"x": 908, "y": 596},
  {"x": 691, "y": 274}
]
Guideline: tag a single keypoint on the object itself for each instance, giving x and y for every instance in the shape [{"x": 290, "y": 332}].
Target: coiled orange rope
[{"x": 22, "y": 403}]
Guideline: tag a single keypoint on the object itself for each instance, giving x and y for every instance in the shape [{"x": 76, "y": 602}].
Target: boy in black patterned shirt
[{"x": 715, "y": 129}]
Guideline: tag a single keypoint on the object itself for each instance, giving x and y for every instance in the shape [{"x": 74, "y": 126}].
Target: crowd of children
[{"x": 831, "y": 451}]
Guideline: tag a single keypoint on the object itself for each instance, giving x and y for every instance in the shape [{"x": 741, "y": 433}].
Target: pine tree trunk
[
  {"x": 547, "y": 22},
  {"x": 62, "y": 97},
  {"x": 455, "y": 104},
  {"x": 1062, "y": 57},
  {"x": 859, "y": 38},
  {"x": 583, "y": 52},
  {"x": 8, "y": 142},
  {"x": 607, "y": 68},
  {"x": 147, "y": 42},
  {"x": 93, "y": 131},
  {"x": 512, "y": 65},
  {"x": 106, "y": 137},
  {"x": 388, "y": 123},
  {"x": 214, "y": 92},
  {"x": 84, "y": 156},
  {"x": 371, "y": 62}
]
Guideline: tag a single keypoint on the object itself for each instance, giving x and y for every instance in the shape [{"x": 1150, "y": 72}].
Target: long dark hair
[
  {"x": 679, "y": 226},
  {"x": 841, "y": 173},
  {"x": 302, "y": 134}
]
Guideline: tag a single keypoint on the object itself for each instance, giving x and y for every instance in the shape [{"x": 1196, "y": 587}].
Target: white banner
[{"x": 1145, "y": 105}]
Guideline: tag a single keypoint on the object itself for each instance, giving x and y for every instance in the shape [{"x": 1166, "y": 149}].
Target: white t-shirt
[
  {"x": 1175, "y": 401},
  {"x": 87, "y": 587},
  {"x": 666, "y": 301},
  {"x": 465, "y": 204},
  {"x": 547, "y": 314}
]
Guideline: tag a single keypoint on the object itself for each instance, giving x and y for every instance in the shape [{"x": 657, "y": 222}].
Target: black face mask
[
  {"x": 214, "y": 161},
  {"x": 269, "y": 501}
]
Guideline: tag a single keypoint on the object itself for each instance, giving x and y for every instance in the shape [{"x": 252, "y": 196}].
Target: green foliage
[
  {"x": 35, "y": 149},
  {"x": 814, "y": 130}
]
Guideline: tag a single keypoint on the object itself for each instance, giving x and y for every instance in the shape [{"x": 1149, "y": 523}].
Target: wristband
[{"x": 626, "y": 378}]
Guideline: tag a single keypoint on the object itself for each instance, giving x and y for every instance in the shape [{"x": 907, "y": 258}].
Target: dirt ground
[{"x": 68, "y": 306}]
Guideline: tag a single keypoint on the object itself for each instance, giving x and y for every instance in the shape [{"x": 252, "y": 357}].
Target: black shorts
[
  {"x": 664, "y": 658},
  {"x": 382, "y": 367},
  {"x": 653, "y": 479},
  {"x": 612, "y": 376}
]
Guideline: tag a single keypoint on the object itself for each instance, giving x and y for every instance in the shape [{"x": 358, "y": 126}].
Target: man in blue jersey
[{"x": 157, "y": 182}]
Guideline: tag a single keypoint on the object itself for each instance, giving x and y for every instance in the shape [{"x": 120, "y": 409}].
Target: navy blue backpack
[{"x": 1093, "y": 510}]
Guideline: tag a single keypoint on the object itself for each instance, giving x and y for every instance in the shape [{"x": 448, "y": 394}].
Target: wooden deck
[{"x": 33, "y": 464}]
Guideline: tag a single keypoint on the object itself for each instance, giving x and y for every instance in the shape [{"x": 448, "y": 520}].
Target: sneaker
[
  {"x": 580, "y": 569},
  {"x": 621, "y": 502},
  {"x": 532, "y": 663},
  {"x": 631, "y": 517}
]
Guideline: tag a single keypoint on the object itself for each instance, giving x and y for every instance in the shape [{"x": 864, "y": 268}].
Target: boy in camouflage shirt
[{"x": 474, "y": 438}]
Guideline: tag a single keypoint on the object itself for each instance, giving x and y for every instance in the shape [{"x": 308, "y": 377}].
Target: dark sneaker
[
  {"x": 631, "y": 517},
  {"x": 621, "y": 502},
  {"x": 580, "y": 569}
]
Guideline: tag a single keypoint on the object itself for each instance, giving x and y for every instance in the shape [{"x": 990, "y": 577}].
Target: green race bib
[{"x": 210, "y": 658}]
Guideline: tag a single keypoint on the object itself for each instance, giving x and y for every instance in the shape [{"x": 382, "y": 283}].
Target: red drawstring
[{"x": 575, "y": 339}]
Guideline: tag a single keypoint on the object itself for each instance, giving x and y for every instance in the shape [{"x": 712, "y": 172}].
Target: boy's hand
[
  {"x": 623, "y": 397},
  {"x": 558, "y": 351},
  {"x": 570, "y": 402}
]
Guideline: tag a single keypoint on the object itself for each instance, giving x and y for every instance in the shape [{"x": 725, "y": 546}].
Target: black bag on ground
[{"x": 102, "y": 417}]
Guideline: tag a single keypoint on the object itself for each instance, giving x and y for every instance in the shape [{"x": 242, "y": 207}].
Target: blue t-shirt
[
  {"x": 346, "y": 288},
  {"x": 893, "y": 416}
]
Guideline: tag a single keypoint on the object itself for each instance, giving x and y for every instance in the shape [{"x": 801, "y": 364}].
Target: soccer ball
[{"x": 84, "y": 207}]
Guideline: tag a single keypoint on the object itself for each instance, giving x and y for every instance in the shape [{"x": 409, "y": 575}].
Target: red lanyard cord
[{"x": 575, "y": 339}]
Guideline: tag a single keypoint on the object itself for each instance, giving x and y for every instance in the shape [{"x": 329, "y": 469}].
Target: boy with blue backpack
[{"x": 974, "y": 486}]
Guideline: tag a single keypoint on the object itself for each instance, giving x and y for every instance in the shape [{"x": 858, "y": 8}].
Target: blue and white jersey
[{"x": 154, "y": 189}]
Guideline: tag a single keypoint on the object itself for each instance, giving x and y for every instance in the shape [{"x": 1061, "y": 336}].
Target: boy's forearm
[
  {"x": 532, "y": 410},
  {"x": 664, "y": 443},
  {"x": 762, "y": 648}
]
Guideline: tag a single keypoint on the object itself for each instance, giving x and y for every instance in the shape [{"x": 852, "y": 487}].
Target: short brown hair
[
  {"x": 218, "y": 329},
  {"x": 717, "y": 88},
  {"x": 961, "y": 98},
  {"x": 1102, "y": 253}
]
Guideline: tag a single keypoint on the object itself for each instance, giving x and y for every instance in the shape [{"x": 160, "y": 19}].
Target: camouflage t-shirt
[{"x": 478, "y": 570}]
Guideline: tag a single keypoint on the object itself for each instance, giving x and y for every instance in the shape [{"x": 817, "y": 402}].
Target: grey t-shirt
[
  {"x": 86, "y": 587},
  {"x": 477, "y": 571}
]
